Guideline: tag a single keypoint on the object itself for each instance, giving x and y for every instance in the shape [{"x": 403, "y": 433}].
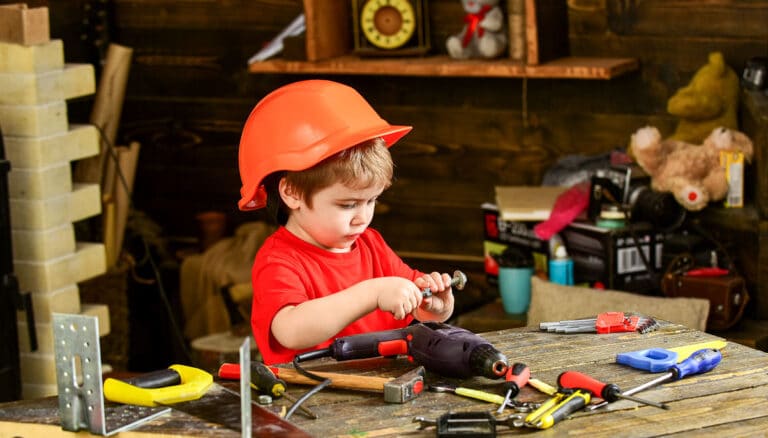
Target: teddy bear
[
  {"x": 691, "y": 172},
  {"x": 483, "y": 35},
  {"x": 710, "y": 100}
]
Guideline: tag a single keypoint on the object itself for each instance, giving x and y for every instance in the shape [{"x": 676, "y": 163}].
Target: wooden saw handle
[{"x": 338, "y": 380}]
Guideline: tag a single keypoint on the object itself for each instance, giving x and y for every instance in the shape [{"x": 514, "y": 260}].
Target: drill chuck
[{"x": 487, "y": 361}]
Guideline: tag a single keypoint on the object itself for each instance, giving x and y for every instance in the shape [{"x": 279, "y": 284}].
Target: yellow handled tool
[
  {"x": 686, "y": 351},
  {"x": 194, "y": 383},
  {"x": 557, "y": 408},
  {"x": 468, "y": 392}
]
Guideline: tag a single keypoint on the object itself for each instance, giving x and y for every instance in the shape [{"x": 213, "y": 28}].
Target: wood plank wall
[{"x": 189, "y": 93}]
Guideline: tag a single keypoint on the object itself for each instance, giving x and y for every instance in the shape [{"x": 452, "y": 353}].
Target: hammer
[{"x": 396, "y": 390}]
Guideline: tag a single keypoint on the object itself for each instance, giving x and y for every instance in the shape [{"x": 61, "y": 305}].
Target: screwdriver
[
  {"x": 698, "y": 363},
  {"x": 517, "y": 377},
  {"x": 263, "y": 379},
  {"x": 607, "y": 391},
  {"x": 557, "y": 408}
]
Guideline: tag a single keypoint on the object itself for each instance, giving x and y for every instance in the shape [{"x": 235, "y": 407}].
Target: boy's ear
[{"x": 288, "y": 195}]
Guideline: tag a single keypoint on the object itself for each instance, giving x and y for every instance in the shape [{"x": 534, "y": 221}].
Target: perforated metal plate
[{"x": 78, "y": 377}]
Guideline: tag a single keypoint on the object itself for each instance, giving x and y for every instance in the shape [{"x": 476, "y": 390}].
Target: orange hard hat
[{"x": 300, "y": 124}]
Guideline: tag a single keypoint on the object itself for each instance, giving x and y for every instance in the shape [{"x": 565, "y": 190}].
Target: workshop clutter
[
  {"x": 614, "y": 258},
  {"x": 501, "y": 234},
  {"x": 622, "y": 258}
]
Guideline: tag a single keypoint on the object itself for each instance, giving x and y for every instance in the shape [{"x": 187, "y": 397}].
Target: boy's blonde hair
[{"x": 360, "y": 166}]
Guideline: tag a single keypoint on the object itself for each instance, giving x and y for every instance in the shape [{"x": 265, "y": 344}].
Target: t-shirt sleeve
[{"x": 275, "y": 285}]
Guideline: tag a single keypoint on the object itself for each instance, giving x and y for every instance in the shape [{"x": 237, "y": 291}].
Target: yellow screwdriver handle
[
  {"x": 535, "y": 416},
  {"x": 480, "y": 395}
]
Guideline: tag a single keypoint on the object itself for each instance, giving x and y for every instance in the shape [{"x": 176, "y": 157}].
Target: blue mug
[{"x": 515, "y": 288}]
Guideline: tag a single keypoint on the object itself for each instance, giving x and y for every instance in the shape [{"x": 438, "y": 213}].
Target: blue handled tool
[
  {"x": 656, "y": 360},
  {"x": 699, "y": 362}
]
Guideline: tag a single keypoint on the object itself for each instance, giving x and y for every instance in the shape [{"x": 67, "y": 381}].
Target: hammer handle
[{"x": 338, "y": 380}]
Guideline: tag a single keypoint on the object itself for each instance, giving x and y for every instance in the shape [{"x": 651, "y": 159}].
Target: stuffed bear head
[
  {"x": 692, "y": 173},
  {"x": 709, "y": 101},
  {"x": 484, "y": 33}
]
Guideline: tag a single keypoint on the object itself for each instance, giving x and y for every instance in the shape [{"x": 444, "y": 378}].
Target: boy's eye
[{"x": 352, "y": 205}]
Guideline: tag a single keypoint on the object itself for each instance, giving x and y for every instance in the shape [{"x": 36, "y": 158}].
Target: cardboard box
[
  {"x": 21, "y": 25},
  {"x": 612, "y": 257},
  {"x": 500, "y": 234}
]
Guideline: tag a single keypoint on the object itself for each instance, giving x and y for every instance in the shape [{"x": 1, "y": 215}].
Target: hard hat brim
[{"x": 255, "y": 197}]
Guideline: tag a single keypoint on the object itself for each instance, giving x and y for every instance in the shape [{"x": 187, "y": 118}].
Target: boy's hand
[
  {"x": 438, "y": 306},
  {"x": 398, "y": 295}
]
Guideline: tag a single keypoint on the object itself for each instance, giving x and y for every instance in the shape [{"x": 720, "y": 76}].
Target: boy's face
[{"x": 338, "y": 216}]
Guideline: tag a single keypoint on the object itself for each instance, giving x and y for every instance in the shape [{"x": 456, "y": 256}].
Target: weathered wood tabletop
[{"x": 731, "y": 400}]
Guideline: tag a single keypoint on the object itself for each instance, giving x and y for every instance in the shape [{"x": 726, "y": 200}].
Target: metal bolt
[{"x": 458, "y": 281}]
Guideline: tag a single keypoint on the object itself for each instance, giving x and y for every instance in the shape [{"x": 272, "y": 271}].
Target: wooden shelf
[{"x": 563, "y": 68}]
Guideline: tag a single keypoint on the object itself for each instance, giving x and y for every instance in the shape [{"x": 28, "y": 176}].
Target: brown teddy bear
[{"x": 692, "y": 173}]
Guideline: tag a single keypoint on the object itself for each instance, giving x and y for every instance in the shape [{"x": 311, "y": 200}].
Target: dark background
[{"x": 189, "y": 92}]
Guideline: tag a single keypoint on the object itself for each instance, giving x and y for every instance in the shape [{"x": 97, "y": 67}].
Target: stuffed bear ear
[{"x": 717, "y": 62}]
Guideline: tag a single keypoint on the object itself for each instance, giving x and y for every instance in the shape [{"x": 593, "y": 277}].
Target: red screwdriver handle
[
  {"x": 518, "y": 373},
  {"x": 577, "y": 380},
  {"x": 517, "y": 376}
]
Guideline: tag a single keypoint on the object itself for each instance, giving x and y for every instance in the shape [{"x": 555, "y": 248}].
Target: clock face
[{"x": 388, "y": 24}]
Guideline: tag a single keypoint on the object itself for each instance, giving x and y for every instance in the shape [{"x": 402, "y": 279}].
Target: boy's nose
[{"x": 362, "y": 216}]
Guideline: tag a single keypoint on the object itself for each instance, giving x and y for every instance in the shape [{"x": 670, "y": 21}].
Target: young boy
[{"x": 315, "y": 154}]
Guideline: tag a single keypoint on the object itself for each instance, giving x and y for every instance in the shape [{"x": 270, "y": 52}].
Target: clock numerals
[{"x": 388, "y": 24}]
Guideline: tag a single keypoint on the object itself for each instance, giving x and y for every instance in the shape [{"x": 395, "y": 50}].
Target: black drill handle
[{"x": 373, "y": 344}]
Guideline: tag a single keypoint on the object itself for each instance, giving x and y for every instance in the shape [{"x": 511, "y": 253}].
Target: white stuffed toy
[{"x": 484, "y": 34}]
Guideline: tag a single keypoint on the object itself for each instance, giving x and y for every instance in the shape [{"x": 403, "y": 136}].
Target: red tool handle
[
  {"x": 577, "y": 380},
  {"x": 518, "y": 374},
  {"x": 230, "y": 371}
]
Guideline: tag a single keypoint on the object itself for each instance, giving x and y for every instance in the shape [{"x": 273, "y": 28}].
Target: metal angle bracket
[
  {"x": 78, "y": 377},
  {"x": 245, "y": 388}
]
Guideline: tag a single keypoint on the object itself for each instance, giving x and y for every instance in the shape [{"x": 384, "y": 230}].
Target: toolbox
[{"x": 611, "y": 256}]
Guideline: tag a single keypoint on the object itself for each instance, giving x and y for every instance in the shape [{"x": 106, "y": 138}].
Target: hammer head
[{"x": 406, "y": 387}]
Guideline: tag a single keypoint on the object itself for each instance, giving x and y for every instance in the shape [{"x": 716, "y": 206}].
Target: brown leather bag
[{"x": 727, "y": 295}]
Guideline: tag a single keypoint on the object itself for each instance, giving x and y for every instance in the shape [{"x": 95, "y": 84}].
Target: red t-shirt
[{"x": 289, "y": 271}]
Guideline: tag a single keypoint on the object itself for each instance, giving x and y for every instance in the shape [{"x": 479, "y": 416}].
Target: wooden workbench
[{"x": 731, "y": 400}]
